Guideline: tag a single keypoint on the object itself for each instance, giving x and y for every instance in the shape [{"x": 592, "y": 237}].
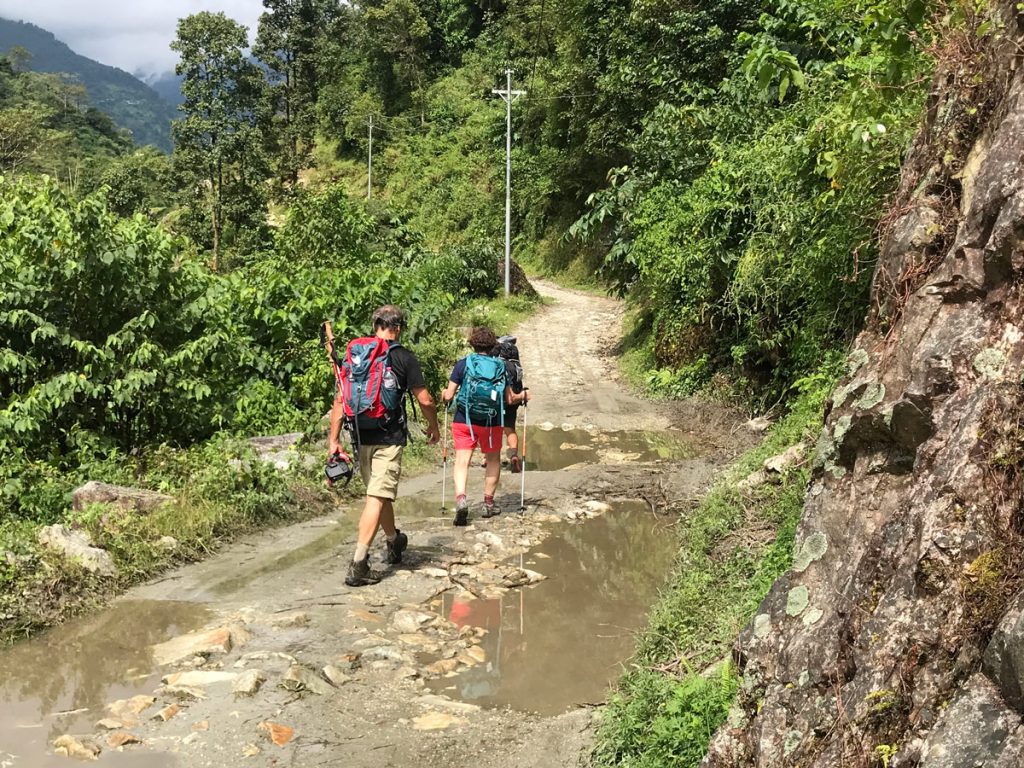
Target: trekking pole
[
  {"x": 444, "y": 458},
  {"x": 522, "y": 480}
]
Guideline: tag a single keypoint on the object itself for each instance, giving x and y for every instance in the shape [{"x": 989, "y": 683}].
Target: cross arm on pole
[{"x": 504, "y": 94}]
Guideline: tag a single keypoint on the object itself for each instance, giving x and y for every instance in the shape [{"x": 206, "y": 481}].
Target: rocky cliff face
[{"x": 898, "y": 636}]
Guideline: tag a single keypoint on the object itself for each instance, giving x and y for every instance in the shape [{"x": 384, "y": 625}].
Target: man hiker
[
  {"x": 479, "y": 387},
  {"x": 375, "y": 376},
  {"x": 509, "y": 354}
]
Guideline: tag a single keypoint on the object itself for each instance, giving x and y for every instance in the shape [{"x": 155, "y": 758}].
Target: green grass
[
  {"x": 501, "y": 314},
  {"x": 732, "y": 547}
]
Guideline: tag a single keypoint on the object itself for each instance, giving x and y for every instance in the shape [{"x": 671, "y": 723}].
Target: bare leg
[
  {"x": 387, "y": 518},
  {"x": 372, "y": 517},
  {"x": 492, "y": 472},
  {"x": 463, "y": 457},
  {"x": 513, "y": 440}
]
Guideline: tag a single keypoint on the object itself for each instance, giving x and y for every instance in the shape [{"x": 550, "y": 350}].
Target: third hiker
[
  {"x": 481, "y": 391},
  {"x": 509, "y": 354}
]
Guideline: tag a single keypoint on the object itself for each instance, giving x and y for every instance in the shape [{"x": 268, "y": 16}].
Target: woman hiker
[{"x": 481, "y": 391}]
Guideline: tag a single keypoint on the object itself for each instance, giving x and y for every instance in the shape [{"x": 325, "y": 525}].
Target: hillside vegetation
[{"x": 128, "y": 101}]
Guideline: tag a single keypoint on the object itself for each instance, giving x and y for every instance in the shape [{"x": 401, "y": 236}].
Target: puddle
[
  {"x": 547, "y": 450},
  {"x": 78, "y": 668},
  {"x": 562, "y": 642},
  {"x": 554, "y": 449}
]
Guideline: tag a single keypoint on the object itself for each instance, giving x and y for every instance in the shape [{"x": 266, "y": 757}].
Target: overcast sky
[{"x": 134, "y": 35}]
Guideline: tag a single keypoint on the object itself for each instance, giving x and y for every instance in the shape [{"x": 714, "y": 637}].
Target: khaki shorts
[{"x": 381, "y": 468}]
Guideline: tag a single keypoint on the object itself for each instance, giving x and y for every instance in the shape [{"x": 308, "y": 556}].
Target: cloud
[{"x": 134, "y": 35}]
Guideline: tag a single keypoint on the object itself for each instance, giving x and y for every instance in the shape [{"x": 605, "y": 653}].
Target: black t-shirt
[{"x": 410, "y": 377}]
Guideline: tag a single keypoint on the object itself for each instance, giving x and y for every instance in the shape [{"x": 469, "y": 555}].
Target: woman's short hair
[
  {"x": 482, "y": 339},
  {"x": 388, "y": 317}
]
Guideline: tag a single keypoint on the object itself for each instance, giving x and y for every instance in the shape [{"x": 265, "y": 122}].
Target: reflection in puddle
[
  {"x": 549, "y": 450},
  {"x": 562, "y": 642},
  {"x": 77, "y": 669}
]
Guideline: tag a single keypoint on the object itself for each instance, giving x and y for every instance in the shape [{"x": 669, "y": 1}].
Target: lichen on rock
[
  {"x": 810, "y": 549},
  {"x": 812, "y": 616},
  {"x": 874, "y": 393},
  {"x": 856, "y": 360},
  {"x": 796, "y": 600},
  {"x": 990, "y": 363},
  {"x": 762, "y": 625}
]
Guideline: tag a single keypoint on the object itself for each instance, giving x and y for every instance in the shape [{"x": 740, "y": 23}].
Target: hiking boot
[
  {"x": 461, "y": 512},
  {"x": 515, "y": 464},
  {"x": 359, "y": 573},
  {"x": 396, "y": 548},
  {"x": 490, "y": 510}
]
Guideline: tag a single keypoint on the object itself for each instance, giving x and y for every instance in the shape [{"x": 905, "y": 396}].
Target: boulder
[
  {"x": 519, "y": 283},
  {"x": 1004, "y": 657},
  {"x": 976, "y": 729},
  {"x": 277, "y": 733},
  {"x": 907, "y": 547},
  {"x": 759, "y": 425},
  {"x": 792, "y": 456},
  {"x": 205, "y": 643},
  {"x": 77, "y": 747},
  {"x": 408, "y": 622},
  {"x": 199, "y": 678},
  {"x": 249, "y": 682},
  {"x": 167, "y": 713},
  {"x": 300, "y": 678},
  {"x": 277, "y": 450},
  {"x": 77, "y": 545},
  {"x": 336, "y": 675},
  {"x": 433, "y": 721},
  {"x": 134, "y": 499},
  {"x": 119, "y": 739}
]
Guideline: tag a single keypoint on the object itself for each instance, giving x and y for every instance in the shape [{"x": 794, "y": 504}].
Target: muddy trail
[{"x": 488, "y": 646}]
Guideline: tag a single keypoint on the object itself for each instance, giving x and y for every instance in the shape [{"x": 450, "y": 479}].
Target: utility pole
[
  {"x": 369, "y": 164},
  {"x": 509, "y": 96}
]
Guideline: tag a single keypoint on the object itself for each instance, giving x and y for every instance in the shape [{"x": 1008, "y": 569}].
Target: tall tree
[
  {"x": 397, "y": 39},
  {"x": 217, "y": 143},
  {"x": 287, "y": 41}
]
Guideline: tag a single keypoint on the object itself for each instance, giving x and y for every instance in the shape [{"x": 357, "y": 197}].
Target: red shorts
[{"x": 489, "y": 439}]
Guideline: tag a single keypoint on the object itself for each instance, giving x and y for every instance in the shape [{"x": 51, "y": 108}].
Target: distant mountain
[
  {"x": 168, "y": 85},
  {"x": 130, "y": 102}
]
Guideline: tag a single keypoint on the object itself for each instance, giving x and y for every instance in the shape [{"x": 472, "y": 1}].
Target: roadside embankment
[{"x": 732, "y": 546}]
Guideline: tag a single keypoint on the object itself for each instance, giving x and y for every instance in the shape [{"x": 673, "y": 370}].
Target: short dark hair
[
  {"x": 482, "y": 339},
  {"x": 390, "y": 317}
]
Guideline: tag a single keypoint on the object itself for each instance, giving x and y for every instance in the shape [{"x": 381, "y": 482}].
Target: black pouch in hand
[{"x": 339, "y": 468}]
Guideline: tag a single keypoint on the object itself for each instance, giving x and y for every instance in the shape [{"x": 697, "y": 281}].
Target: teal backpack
[{"x": 482, "y": 394}]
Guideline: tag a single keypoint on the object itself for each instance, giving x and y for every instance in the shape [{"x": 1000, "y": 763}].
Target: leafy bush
[
  {"x": 325, "y": 228},
  {"x": 464, "y": 270},
  {"x": 116, "y": 338}
]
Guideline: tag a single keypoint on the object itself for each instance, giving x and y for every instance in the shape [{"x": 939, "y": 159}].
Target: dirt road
[{"x": 487, "y": 646}]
